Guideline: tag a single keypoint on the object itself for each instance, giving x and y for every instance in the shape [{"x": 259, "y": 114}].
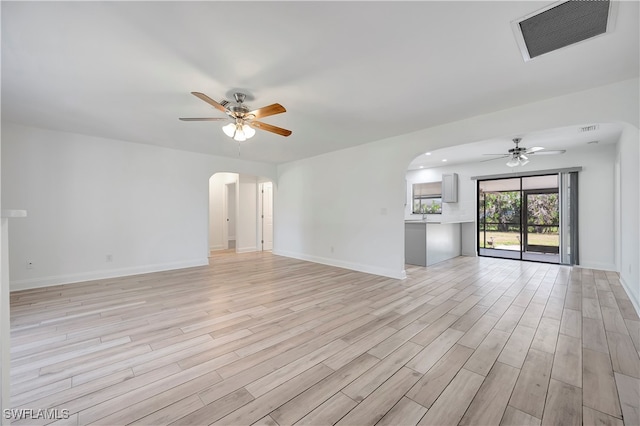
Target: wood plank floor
[{"x": 267, "y": 340}]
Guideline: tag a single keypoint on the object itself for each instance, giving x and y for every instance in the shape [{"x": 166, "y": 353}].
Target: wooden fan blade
[
  {"x": 210, "y": 101},
  {"x": 269, "y": 128},
  {"x": 203, "y": 119},
  {"x": 272, "y": 109}
]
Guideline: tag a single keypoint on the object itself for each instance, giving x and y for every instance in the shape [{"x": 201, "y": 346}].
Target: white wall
[
  {"x": 628, "y": 160},
  {"x": 346, "y": 208},
  {"x": 596, "y": 197},
  {"x": 89, "y": 197},
  {"x": 342, "y": 209}
]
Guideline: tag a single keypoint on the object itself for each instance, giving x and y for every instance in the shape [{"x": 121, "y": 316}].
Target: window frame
[{"x": 422, "y": 192}]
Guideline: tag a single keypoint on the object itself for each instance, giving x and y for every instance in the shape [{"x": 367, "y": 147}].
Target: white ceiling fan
[{"x": 519, "y": 156}]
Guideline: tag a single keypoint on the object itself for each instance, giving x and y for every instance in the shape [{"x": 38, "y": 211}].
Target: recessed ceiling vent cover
[
  {"x": 591, "y": 128},
  {"x": 561, "y": 25}
]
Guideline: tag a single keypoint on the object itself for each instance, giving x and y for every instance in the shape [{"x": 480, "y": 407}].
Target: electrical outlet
[
  {"x": 29, "y": 264},
  {"x": 109, "y": 258}
]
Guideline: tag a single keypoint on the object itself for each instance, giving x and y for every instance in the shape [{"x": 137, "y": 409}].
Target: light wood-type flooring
[{"x": 265, "y": 340}]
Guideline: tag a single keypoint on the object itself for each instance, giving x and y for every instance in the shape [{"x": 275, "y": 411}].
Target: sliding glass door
[{"x": 519, "y": 218}]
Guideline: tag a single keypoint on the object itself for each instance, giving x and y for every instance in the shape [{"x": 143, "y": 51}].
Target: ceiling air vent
[
  {"x": 591, "y": 128},
  {"x": 562, "y": 24}
]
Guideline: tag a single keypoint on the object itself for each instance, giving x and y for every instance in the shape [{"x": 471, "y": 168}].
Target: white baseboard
[
  {"x": 385, "y": 272},
  {"x": 218, "y": 247},
  {"x": 601, "y": 266},
  {"x": 104, "y": 274},
  {"x": 246, "y": 249},
  {"x": 632, "y": 296}
]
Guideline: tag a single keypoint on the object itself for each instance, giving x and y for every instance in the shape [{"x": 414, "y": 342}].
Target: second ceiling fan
[{"x": 243, "y": 120}]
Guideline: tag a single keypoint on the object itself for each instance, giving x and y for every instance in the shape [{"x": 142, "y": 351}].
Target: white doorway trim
[{"x": 265, "y": 215}]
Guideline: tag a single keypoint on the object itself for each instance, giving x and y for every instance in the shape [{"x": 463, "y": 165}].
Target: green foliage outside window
[
  {"x": 501, "y": 211},
  {"x": 427, "y": 198},
  {"x": 543, "y": 210},
  {"x": 427, "y": 206}
]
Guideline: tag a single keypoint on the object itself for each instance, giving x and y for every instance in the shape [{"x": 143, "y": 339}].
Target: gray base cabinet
[{"x": 428, "y": 243}]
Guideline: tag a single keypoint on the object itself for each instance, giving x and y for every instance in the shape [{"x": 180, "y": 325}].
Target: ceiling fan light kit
[
  {"x": 518, "y": 160},
  {"x": 244, "y": 121},
  {"x": 518, "y": 157},
  {"x": 238, "y": 131}
]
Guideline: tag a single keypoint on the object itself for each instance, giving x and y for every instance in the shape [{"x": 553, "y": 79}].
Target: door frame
[
  {"x": 525, "y": 215},
  {"x": 261, "y": 214}
]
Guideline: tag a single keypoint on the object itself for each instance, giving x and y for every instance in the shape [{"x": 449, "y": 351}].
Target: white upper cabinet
[{"x": 450, "y": 188}]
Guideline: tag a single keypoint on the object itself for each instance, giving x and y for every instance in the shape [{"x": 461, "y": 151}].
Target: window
[{"x": 427, "y": 198}]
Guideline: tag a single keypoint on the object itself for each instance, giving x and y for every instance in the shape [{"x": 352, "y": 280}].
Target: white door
[
  {"x": 230, "y": 216},
  {"x": 267, "y": 216}
]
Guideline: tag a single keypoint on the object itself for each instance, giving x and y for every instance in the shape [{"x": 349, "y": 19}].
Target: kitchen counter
[
  {"x": 428, "y": 242},
  {"x": 437, "y": 221}
]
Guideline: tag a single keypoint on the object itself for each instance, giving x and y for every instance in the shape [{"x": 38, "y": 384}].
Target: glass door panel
[
  {"x": 569, "y": 218},
  {"x": 500, "y": 226},
  {"x": 541, "y": 240}
]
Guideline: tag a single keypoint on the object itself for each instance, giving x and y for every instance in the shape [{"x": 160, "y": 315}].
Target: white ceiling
[
  {"x": 347, "y": 72},
  {"x": 567, "y": 139}
]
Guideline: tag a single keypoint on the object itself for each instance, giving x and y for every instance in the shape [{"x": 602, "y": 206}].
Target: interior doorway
[{"x": 240, "y": 213}]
